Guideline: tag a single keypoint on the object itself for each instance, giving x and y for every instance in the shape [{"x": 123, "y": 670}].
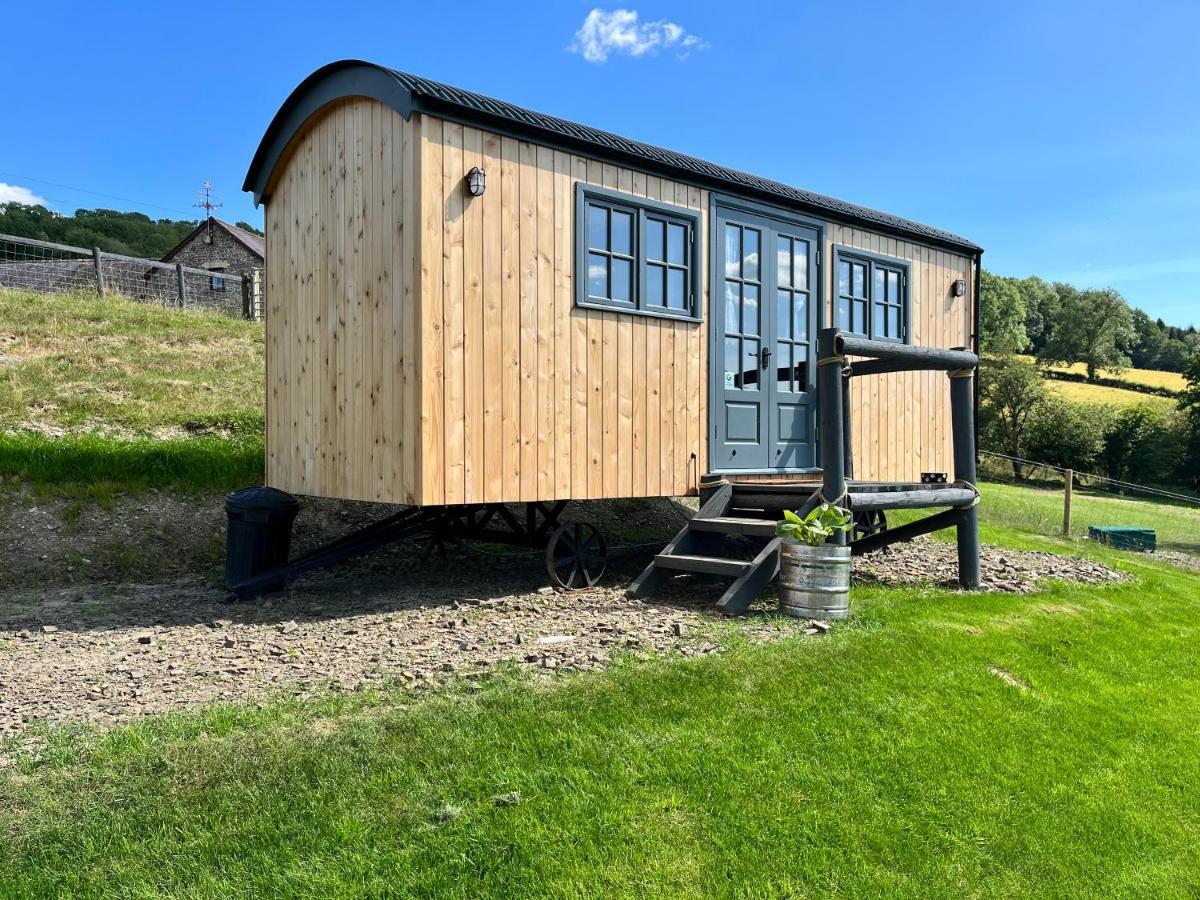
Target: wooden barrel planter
[{"x": 814, "y": 582}]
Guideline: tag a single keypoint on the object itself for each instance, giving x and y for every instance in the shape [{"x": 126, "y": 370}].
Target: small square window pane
[
  {"x": 893, "y": 287},
  {"x": 750, "y": 309},
  {"x": 733, "y": 360},
  {"x": 597, "y": 276},
  {"x": 676, "y": 238},
  {"x": 597, "y": 228},
  {"x": 783, "y": 365},
  {"x": 880, "y": 290},
  {"x": 655, "y": 279},
  {"x": 843, "y": 315},
  {"x": 844, "y": 279},
  {"x": 655, "y": 239},
  {"x": 733, "y": 251},
  {"x": 859, "y": 288},
  {"x": 894, "y": 322},
  {"x": 860, "y": 317},
  {"x": 800, "y": 266},
  {"x": 750, "y": 364},
  {"x": 733, "y": 316},
  {"x": 622, "y": 280},
  {"x": 783, "y": 256},
  {"x": 800, "y": 317},
  {"x": 622, "y": 232},
  {"x": 783, "y": 313},
  {"x": 750, "y": 255},
  {"x": 676, "y": 296},
  {"x": 880, "y": 322}
]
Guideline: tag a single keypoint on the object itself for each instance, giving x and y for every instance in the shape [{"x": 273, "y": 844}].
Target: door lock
[{"x": 763, "y": 356}]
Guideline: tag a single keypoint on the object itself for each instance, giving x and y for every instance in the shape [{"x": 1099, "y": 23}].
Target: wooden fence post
[
  {"x": 182, "y": 287},
  {"x": 99, "y": 271},
  {"x": 1068, "y": 485},
  {"x": 247, "y": 296}
]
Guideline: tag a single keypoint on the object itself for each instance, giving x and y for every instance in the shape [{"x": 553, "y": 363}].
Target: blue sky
[{"x": 1063, "y": 136}]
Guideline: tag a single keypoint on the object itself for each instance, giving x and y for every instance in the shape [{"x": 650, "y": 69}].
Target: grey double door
[{"x": 764, "y": 321}]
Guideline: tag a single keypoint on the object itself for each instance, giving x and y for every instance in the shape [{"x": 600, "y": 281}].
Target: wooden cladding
[
  {"x": 530, "y": 397},
  {"x": 341, "y": 313},
  {"x": 424, "y": 345},
  {"x": 901, "y": 421}
]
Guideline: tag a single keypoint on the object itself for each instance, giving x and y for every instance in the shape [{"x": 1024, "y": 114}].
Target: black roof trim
[{"x": 404, "y": 93}]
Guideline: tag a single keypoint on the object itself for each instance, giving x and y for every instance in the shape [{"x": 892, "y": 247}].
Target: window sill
[{"x": 644, "y": 313}]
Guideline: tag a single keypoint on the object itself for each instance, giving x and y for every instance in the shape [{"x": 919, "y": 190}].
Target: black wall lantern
[
  {"x": 960, "y": 284},
  {"x": 475, "y": 181}
]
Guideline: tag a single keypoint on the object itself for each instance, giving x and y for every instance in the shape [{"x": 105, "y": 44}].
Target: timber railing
[
  {"x": 835, "y": 372},
  {"x": 50, "y": 268}
]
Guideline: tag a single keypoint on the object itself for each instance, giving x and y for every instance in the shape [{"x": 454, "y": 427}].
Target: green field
[
  {"x": 114, "y": 390},
  {"x": 890, "y": 758},
  {"x": 1082, "y": 392}
]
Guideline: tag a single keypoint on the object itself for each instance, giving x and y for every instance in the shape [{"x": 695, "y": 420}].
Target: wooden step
[
  {"x": 702, "y": 565},
  {"x": 735, "y": 525}
]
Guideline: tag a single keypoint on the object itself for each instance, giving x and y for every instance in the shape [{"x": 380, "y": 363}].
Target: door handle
[{"x": 763, "y": 356}]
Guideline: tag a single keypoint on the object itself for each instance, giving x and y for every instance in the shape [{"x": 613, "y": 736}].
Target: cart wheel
[
  {"x": 576, "y": 555},
  {"x": 869, "y": 522}
]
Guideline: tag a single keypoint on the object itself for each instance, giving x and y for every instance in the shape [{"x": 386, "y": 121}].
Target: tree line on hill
[
  {"x": 1147, "y": 443},
  {"x": 1059, "y": 323},
  {"x": 130, "y": 233}
]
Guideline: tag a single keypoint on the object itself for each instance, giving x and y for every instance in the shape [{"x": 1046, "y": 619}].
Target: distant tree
[
  {"x": 246, "y": 226},
  {"x": 1041, "y": 305},
  {"x": 1146, "y": 444},
  {"x": 1010, "y": 391},
  {"x": 1091, "y": 327},
  {"x": 133, "y": 233},
  {"x": 1189, "y": 406},
  {"x": 1001, "y": 314},
  {"x": 1067, "y": 434},
  {"x": 1150, "y": 343}
]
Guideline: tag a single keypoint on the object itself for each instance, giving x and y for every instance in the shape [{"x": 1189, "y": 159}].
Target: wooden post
[
  {"x": 182, "y": 287},
  {"x": 1068, "y": 489},
  {"x": 99, "y": 271},
  {"x": 962, "y": 420},
  {"x": 829, "y": 405},
  {"x": 247, "y": 297}
]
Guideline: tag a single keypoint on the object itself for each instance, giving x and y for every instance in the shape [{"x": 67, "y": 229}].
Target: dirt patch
[
  {"x": 1014, "y": 571},
  {"x": 116, "y": 610},
  {"x": 1010, "y": 679}
]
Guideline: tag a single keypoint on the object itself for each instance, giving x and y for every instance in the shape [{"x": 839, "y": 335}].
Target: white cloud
[
  {"x": 11, "y": 193},
  {"x": 604, "y": 33}
]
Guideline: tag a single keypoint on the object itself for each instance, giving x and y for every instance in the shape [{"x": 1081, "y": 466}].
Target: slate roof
[
  {"x": 255, "y": 243},
  {"x": 468, "y": 106}
]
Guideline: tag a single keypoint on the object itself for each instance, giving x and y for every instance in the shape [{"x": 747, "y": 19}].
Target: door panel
[
  {"x": 742, "y": 427},
  {"x": 765, "y": 412}
]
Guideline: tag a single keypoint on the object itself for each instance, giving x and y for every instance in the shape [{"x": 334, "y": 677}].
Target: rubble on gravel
[
  {"x": 92, "y": 647},
  {"x": 1012, "y": 571}
]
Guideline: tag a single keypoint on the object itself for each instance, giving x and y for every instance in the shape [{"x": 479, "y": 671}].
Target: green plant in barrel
[{"x": 815, "y": 528}]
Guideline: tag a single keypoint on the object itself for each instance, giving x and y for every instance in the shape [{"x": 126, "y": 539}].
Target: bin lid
[{"x": 261, "y": 498}]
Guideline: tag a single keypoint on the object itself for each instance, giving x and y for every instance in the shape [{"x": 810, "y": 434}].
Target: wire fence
[
  {"x": 1032, "y": 470},
  {"x": 49, "y": 268}
]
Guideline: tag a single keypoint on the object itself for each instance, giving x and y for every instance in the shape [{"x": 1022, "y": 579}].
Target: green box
[{"x": 1123, "y": 537}]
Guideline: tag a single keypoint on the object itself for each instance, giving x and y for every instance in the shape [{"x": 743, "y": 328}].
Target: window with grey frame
[
  {"x": 640, "y": 256},
  {"x": 872, "y": 296}
]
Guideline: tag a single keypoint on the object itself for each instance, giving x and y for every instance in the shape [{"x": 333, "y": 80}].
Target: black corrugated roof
[{"x": 469, "y": 106}]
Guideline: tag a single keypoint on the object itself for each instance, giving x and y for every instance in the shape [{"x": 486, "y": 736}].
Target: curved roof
[{"x": 405, "y": 93}]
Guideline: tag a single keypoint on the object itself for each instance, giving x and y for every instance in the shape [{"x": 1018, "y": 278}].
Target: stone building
[{"x": 221, "y": 248}]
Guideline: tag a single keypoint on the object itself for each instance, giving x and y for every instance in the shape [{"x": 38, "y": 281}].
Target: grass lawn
[
  {"x": 95, "y": 389},
  {"x": 937, "y": 744}
]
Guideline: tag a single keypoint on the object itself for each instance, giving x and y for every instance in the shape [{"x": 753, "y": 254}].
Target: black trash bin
[{"x": 259, "y": 534}]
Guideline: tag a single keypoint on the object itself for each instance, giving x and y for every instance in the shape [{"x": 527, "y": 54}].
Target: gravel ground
[{"x": 85, "y": 646}]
